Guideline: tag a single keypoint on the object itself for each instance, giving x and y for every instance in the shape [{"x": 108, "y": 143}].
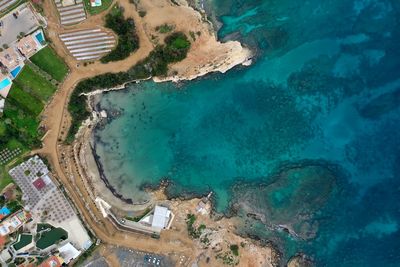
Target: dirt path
[
  {"x": 205, "y": 51},
  {"x": 56, "y": 121},
  {"x": 109, "y": 256}
]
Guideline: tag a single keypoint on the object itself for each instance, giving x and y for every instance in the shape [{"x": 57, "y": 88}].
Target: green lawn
[
  {"x": 35, "y": 84},
  {"x": 50, "y": 62},
  {"x": 5, "y": 178},
  {"x": 19, "y": 126},
  {"x": 51, "y": 237},
  {"x": 21, "y": 120},
  {"x": 25, "y": 100},
  {"x": 3, "y": 128},
  {"x": 96, "y": 10},
  {"x": 24, "y": 240}
]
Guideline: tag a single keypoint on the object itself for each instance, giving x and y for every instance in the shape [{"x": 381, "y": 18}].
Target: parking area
[
  {"x": 21, "y": 20},
  {"x": 4, "y": 4},
  {"x": 129, "y": 258}
]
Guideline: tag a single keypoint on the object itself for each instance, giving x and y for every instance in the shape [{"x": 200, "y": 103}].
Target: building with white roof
[
  {"x": 5, "y": 255},
  {"x": 160, "y": 218},
  {"x": 68, "y": 252}
]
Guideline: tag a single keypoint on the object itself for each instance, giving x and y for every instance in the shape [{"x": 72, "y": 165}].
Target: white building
[
  {"x": 160, "y": 219},
  {"x": 68, "y": 252},
  {"x": 5, "y": 255}
]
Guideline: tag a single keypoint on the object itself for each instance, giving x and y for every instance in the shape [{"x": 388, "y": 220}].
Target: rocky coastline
[{"x": 233, "y": 54}]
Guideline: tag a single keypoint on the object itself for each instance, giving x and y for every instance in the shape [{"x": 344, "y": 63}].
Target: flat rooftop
[{"x": 10, "y": 58}]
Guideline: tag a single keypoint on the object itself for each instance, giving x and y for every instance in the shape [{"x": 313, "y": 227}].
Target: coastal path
[{"x": 56, "y": 121}]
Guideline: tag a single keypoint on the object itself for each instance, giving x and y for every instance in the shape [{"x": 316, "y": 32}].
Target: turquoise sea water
[{"x": 307, "y": 138}]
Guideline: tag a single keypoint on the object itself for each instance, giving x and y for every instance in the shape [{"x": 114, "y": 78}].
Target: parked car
[{"x": 15, "y": 16}]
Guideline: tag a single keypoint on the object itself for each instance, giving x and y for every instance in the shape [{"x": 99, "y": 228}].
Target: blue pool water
[
  {"x": 16, "y": 71},
  {"x": 39, "y": 36},
  {"x": 308, "y": 136},
  {"x": 4, "y": 211},
  {"x": 4, "y": 83}
]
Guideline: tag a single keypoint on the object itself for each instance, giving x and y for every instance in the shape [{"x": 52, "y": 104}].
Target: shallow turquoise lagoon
[{"x": 307, "y": 137}]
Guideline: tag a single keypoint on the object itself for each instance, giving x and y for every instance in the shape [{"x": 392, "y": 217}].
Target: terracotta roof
[
  {"x": 10, "y": 58},
  {"x": 27, "y": 46},
  {"x": 53, "y": 261}
]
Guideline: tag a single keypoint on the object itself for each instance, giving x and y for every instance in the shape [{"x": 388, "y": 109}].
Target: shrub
[
  {"x": 175, "y": 49},
  {"x": 165, "y": 28},
  {"x": 128, "y": 40},
  {"x": 142, "y": 13},
  {"x": 235, "y": 249}
]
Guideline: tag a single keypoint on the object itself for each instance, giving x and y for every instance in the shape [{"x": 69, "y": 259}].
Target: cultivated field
[
  {"x": 19, "y": 125},
  {"x": 35, "y": 84}
]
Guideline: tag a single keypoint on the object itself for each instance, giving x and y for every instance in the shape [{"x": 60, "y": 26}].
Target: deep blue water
[{"x": 307, "y": 137}]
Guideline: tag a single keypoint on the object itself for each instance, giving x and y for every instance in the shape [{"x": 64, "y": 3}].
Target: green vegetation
[
  {"x": 139, "y": 217},
  {"x": 35, "y": 84},
  {"x": 165, "y": 28},
  {"x": 227, "y": 258},
  {"x": 19, "y": 125},
  {"x": 14, "y": 206},
  {"x": 51, "y": 237},
  {"x": 193, "y": 232},
  {"x": 27, "y": 101},
  {"x": 18, "y": 261},
  {"x": 142, "y": 13},
  {"x": 5, "y": 178},
  {"x": 234, "y": 249},
  {"x": 192, "y": 35},
  {"x": 128, "y": 40},
  {"x": 8, "y": 9},
  {"x": 85, "y": 255},
  {"x": 156, "y": 64},
  {"x": 105, "y": 4},
  {"x": 50, "y": 62},
  {"x": 25, "y": 239}
]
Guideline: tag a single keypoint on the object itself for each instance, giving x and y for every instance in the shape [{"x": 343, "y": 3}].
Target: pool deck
[
  {"x": 4, "y": 91},
  {"x": 13, "y": 58}
]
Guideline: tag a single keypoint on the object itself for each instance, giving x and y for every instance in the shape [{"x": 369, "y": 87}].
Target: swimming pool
[
  {"x": 4, "y": 83},
  {"x": 4, "y": 211},
  {"x": 15, "y": 71},
  {"x": 39, "y": 36}
]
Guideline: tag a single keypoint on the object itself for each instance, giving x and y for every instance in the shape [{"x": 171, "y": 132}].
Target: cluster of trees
[
  {"x": 175, "y": 49},
  {"x": 18, "y": 123},
  {"x": 128, "y": 40}
]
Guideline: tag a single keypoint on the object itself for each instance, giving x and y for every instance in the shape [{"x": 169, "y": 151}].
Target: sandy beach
[{"x": 75, "y": 167}]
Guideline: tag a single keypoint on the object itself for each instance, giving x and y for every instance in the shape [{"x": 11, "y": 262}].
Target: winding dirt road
[{"x": 56, "y": 121}]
